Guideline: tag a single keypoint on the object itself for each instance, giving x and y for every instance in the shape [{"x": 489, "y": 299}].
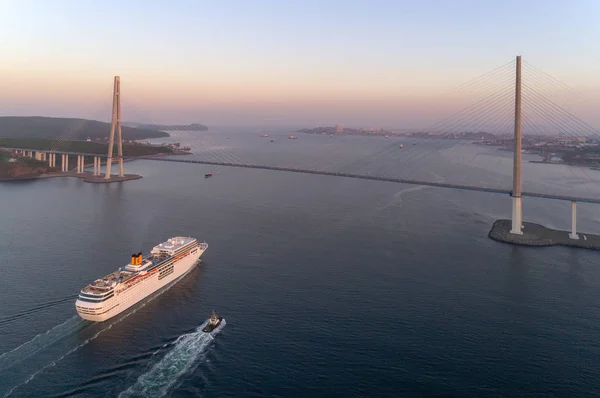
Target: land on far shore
[
  {"x": 68, "y": 128},
  {"x": 339, "y": 130},
  {"x": 18, "y": 167},
  {"x": 12, "y": 167},
  {"x": 166, "y": 127},
  {"x": 82, "y": 146}
]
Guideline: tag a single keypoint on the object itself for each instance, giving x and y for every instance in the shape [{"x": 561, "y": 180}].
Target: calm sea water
[{"x": 329, "y": 286}]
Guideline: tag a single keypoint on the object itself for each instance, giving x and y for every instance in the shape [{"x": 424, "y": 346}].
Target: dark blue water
[{"x": 329, "y": 286}]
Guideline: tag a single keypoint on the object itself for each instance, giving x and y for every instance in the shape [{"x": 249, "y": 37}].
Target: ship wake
[
  {"x": 42, "y": 341},
  {"x": 46, "y": 341},
  {"x": 188, "y": 350}
]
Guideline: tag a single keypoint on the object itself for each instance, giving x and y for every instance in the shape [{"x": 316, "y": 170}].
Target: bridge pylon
[
  {"x": 115, "y": 123},
  {"x": 517, "y": 208}
]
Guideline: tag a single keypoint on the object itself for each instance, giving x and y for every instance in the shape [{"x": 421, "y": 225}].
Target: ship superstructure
[{"x": 145, "y": 274}]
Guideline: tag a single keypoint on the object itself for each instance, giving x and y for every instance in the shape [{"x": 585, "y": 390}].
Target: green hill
[
  {"x": 67, "y": 128},
  {"x": 81, "y": 146}
]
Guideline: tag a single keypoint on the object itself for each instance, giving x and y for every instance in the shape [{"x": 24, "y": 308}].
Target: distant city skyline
[{"x": 299, "y": 63}]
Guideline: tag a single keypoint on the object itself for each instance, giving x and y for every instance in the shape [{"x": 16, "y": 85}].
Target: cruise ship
[{"x": 145, "y": 274}]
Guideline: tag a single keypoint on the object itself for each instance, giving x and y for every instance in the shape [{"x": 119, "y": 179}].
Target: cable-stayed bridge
[{"x": 515, "y": 102}]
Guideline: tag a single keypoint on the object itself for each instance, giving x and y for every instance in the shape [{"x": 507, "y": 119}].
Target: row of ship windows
[
  {"x": 177, "y": 253},
  {"x": 164, "y": 267},
  {"x": 165, "y": 272},
  {"x": 97, "y": 295},
  {"x": 96, "y": 300},
  {"x": 94, "y": 311},
  {"x": 88, "y": 310}
]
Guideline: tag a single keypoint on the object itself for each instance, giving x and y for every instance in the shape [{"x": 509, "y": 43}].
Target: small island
[
  {"x": 165, "y": 127},
  {"x": 339, "y": 130}
]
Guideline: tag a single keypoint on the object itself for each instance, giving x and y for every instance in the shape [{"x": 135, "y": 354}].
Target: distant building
[{"x": 339, "y": 128}]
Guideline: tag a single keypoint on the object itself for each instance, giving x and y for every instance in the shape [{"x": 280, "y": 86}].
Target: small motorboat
[
  {"x": 213, "y": 323},
  {"x": 207, "y": 175}
]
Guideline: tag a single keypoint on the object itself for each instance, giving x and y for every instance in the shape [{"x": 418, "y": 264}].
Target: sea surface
[{"x": 330, "y": 286}]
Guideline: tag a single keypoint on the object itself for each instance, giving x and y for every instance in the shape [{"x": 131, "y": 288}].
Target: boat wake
[
  {"x": 187, "y": 351},
  {"x": 47, "y": 340},
  {"x": 34, "y": 310},
  {"x": 41, "y": 341}
]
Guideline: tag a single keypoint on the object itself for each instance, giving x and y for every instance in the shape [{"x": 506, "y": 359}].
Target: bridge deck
[
  {"x": 335, "y": 174},
  {"x": 387, "y": 179},
  {"x": 100, "y": 155}
]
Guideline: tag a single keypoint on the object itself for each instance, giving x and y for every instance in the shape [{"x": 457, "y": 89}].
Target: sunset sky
[{"x": 384, "y": 63}]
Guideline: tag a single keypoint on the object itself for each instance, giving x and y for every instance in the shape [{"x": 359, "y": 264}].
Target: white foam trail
[
  {"x": 41, "y": 341},
  {"x": 53, "y": 363},
  {"x": 179, "y": 361}
]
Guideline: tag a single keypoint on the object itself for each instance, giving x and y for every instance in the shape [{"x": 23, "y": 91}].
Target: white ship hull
[{"x": 126, "y": 295}]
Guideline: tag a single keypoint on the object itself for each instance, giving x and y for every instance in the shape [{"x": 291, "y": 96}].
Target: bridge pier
[
  {"x": 573, "y": 234},
  {"x": 96, "y": 166},
  {"x": 65, "y": 162},
  {"x": 79, "y": 164},
  {"x": 517, "y": 216}
]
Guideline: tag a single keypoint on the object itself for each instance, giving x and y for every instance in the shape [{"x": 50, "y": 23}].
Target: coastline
[{"x": 86, "y": 175}]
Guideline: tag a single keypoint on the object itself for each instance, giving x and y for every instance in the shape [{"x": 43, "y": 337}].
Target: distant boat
[
  {"x": 401, "y": 146},
  {"x": 213, "y": 323},
  {"x": 207, "y": 175},
  {"x": 265, "y": 135},
  {"x": 292, "y": 137},
  {"x": 272, "y": 141}
]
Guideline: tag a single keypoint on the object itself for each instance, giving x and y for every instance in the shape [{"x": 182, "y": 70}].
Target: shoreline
[{"x": 86, "y": 175}]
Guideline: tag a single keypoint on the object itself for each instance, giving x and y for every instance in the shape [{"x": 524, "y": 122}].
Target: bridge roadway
[
  {"x": 59, "y": 152},
  {"x": 387, "y": 179}
]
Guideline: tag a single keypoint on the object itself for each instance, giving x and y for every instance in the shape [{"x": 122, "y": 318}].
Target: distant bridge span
[{"x": 386, "y": 179}]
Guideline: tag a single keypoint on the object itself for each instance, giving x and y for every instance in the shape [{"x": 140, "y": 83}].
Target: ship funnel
[
  {"x": 139, "y": 258},
  {"x": 133, "y": 259}
]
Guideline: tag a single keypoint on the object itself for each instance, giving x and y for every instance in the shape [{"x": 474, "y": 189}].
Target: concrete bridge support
[
  {"x": 79, "y": 164},
  {"x": 517, "y": 209},
  {"x": 65, "y": 162},
  {"x": 52, "y": 159},
  {"x": 115, "y": 124},
  {"x": 97, "y": 165},
  {"x": 573, "y": 234}
]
